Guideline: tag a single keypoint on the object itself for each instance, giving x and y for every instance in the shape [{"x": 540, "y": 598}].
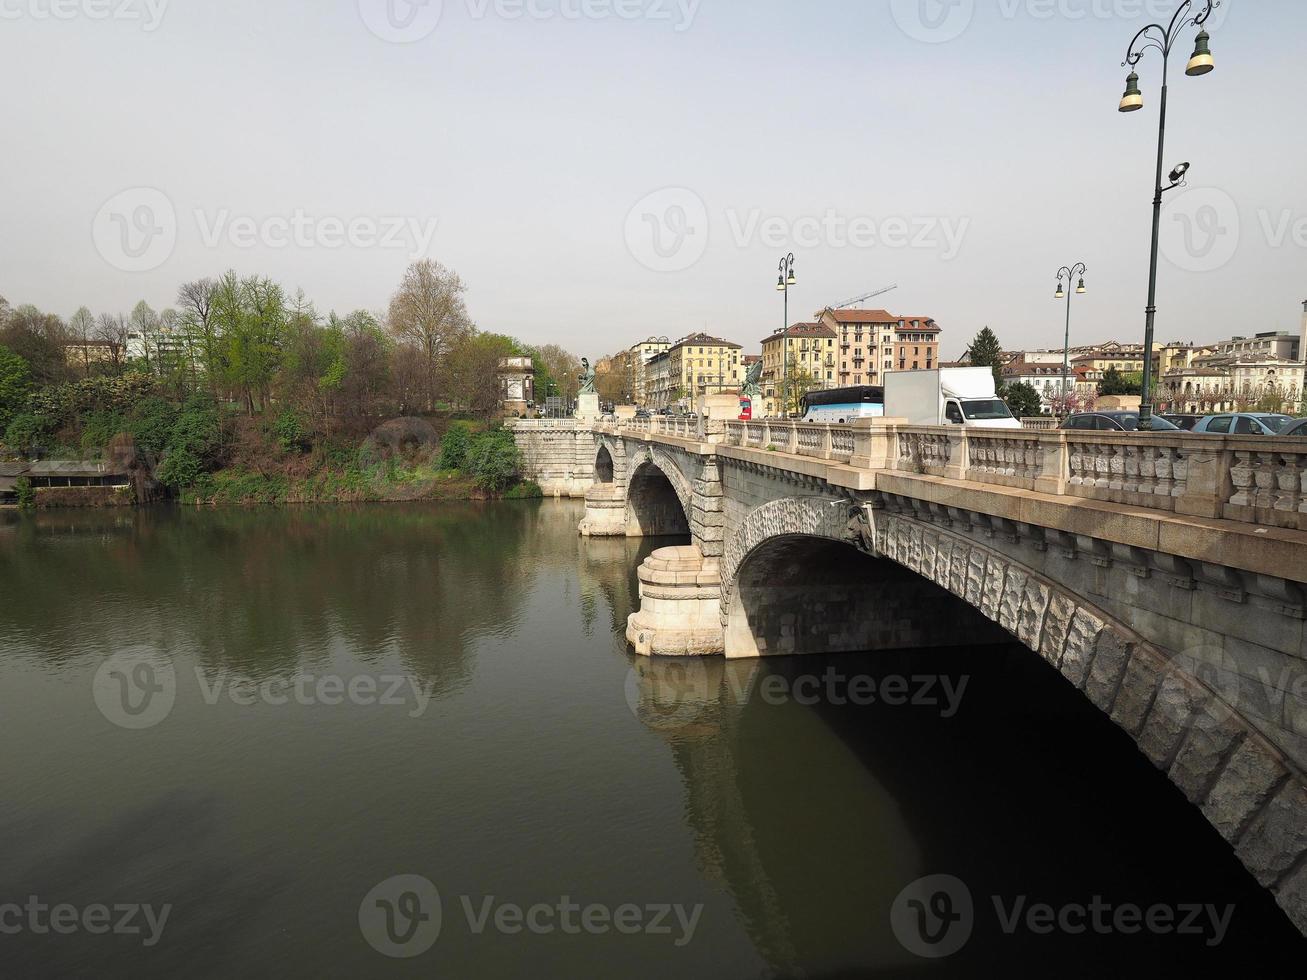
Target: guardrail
[{"x": 1260, "y": 480}]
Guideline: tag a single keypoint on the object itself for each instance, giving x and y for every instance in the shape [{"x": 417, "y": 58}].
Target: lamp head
[
  {"x": 1061, "y": 293},
  {"x": 1080, "y": 290},
  {"x": 1202, "y": 62},
  {"x": 1178, "y": 173},
  {"x": 1133, "y": 100}
]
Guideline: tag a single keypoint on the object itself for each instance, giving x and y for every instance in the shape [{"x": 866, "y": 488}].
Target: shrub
[
  {"x": 26, "y": 431},
  {"x": 494, "y": 459},
  {"x": 180, "y": 468},
  {"x": 288, "y": 432},
  {"x": 26, "y": 495},
  {"x": 454, "y": 447},
  {"x": 526, "y": 490},
  {"x": 15, "y": 379},
  {"x": 151, "y": 422}
]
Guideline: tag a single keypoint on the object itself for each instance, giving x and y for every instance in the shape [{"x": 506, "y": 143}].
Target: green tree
[
  {"x": 15, "y": 382},
  {"x": 1023, "y": 400},
  {"x": 1116, "y": 383},
  {"x": 986, "y": 351}
]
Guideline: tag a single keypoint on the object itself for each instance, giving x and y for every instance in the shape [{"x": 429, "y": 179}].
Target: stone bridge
[{"x": 1162, "y": 575}]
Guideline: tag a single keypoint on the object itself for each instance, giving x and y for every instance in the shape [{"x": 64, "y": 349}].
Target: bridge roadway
[{"x": 1165, "y": 576}]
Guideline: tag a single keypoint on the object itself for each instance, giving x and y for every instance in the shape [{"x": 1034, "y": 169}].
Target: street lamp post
[
  {"x": 1070, "y": 273},
  {"x": 1200, "y": 63},
  {"x": 783, "y": 285}
]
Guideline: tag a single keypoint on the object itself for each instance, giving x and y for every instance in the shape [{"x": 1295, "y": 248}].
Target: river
[{"x": 410, "y": 740}]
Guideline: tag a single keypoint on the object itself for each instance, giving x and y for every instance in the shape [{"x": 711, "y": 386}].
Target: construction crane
[{"x": 862, "y": 299}]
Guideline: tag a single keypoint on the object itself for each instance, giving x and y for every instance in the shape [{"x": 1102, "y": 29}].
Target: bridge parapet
[{"x": 1248, "y": 479}]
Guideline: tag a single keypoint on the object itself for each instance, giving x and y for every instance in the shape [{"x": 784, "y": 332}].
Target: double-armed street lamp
[
  {"x": 1200, "y": 63},
  {"x": 783, "y": 285},
  {"x": 1069, "y": 273}
]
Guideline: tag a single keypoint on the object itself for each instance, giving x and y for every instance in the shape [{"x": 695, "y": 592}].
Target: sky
[{"x": 602, "y": 171}]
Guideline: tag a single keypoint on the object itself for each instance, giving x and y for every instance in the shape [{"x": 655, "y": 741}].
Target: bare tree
[
  {"x": 111, "y": 330},
  {"x": 199, "y": 328},
  {"x": 428, "y": 313},
  {"x": 82, "y": 326}
]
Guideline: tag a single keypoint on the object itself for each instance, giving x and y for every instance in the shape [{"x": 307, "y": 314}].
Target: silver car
[{"x": 1244, "y": 424}]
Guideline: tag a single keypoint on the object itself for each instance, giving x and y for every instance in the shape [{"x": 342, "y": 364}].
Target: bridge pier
[
  {"x": 680, "y": 605},
  {"x": 605, "y": 511}
]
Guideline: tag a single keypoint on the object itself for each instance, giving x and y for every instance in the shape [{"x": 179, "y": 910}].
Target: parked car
[
  {"x": 1297, "y": 428},
  {"x": 1244, "y": 424},
  {"x": 1185, "y": 422},
  {"x": 1114, "y": 422},
  {"x": 642, "y": 413}
]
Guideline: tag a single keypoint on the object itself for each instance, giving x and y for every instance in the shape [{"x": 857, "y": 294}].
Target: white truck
[{"x": 947, "y": 396}]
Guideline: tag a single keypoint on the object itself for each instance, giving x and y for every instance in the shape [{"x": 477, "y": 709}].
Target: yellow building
[
  {"x": 804, "y": 354},
  {"x": 695, "y": 367}
]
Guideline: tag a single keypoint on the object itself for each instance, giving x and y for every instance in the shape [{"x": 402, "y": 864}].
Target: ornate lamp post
[
  {"x": 1200, "y": 63},
  {"x": 783, "y": 285},
  {"x": 1069, "y": 273}
]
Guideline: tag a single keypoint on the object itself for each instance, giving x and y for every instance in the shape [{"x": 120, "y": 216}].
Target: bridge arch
[
  {"x": 604, "y": 468},
  {"x": 1181, "y": 717},
  {"x": 651, "y": 510}
]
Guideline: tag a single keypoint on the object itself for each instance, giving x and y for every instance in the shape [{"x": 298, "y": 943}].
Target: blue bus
[{"x": 844, "y": 404}]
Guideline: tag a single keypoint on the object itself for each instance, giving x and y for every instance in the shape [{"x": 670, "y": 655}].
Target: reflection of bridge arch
[{"x": 1193, "y": 732}]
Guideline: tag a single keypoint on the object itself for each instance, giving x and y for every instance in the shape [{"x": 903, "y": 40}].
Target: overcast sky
[{"x": 599, "y": 171}]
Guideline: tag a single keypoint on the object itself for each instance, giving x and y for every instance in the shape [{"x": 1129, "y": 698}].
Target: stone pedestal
[
  {"x": 680, "y": 606},
  {"x": 605, "y": 511},
  {"x": 587, "y": 406}
]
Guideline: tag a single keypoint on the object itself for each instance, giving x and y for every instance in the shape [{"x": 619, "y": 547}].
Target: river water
[{"x": 410, "y": 740}]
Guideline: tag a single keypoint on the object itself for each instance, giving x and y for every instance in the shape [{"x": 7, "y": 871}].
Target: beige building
[
  {"x": 803, "y": 351},
  {"x": 873, "y": 343},
  {"x": 516, "y": 386},
  {"x": 691, "y": 369}
]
